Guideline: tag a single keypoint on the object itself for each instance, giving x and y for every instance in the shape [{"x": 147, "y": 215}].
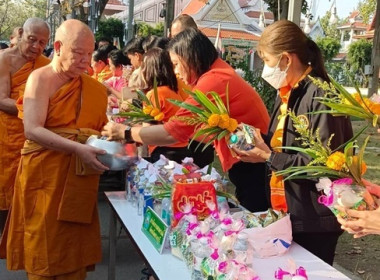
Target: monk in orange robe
[
  {"x": 54, "y": 228},
  {"x": 16, "y": 64}
]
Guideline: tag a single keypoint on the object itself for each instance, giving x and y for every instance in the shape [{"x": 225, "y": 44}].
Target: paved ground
[{"x": 128, "y": 261}]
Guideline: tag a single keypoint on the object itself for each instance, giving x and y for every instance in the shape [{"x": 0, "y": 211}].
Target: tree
[
  {"x": 359, "y": 55},
  {"x": 284, "y": 7},
  {"x": 144, "y": 29},
  {"x": 367, "y": 9},
  {"x": 329, "y": 29},
  {"x": 110, "y": 28},
  {"x": 329, "y": 47},
  {"x": 13, "y": 13}
]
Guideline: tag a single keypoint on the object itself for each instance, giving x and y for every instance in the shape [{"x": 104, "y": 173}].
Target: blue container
[{"x": 148, "y": 201}]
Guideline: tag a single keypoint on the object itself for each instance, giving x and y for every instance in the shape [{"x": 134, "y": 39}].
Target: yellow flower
[
  {"x": 213, "y": 120},
  {"x": 147, "y": 109},
  {"x": 154, "y": 112},
  {"x": 336, "y": 161},
  {"x": 159, "y": 117},
  {"x": 232, "y": 125},
  {"x": 224, "y": 121}
]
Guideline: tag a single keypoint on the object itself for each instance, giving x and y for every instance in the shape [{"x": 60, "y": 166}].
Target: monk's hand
[
  {"x": 113, "y": 131},
  {"x": 88, "y": 155}
]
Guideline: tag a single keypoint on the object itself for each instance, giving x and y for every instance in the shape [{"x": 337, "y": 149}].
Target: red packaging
[{"x": 195, "y": 194}]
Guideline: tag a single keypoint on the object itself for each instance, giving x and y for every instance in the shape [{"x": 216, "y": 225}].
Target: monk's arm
[
  {"x": 36, "y": 102},
  {"x": 7, "y": 104}
]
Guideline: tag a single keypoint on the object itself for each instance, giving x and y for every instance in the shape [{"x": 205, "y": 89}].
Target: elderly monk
[
  {"x": 16, "y": 64},
  {"x": 54, "y": 228}
]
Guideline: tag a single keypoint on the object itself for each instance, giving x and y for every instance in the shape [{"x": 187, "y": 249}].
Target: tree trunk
[{"x": 375, "y": 54}]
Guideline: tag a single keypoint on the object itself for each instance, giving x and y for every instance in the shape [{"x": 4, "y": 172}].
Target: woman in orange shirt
[{"x": 157, "y": 65}]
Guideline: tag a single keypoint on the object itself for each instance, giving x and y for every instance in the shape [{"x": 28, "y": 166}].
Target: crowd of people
[{"x": 49, "y": 177}]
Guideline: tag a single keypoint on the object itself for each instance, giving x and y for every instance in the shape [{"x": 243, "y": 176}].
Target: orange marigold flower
[
  {"x": 336, "y": 161},
  {"x": 375, "y": 108},
  {"x": 147, "y": 109},
  {"x": 224, "y": 121},
  {"x": 213, "y": 120},
  {"x": 233, "y": 124},
  {"x": 154, "y": 112},
  {"x": 159, "y": 117},
  {"x": 357, "y": 97}
]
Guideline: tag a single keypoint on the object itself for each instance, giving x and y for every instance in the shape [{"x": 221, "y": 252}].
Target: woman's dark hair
[
  {"x": 101, "y": 54},
  {"x": 134, "y": 45},
  {"x": 285, "y": 36},
  {"x": 3, "y": 46},
  {"x": 157, "y": 65},
  {"x": 118, "y": 58},
  {"x": 195, "y": 49},
  {"x": 153, "y": 41}
]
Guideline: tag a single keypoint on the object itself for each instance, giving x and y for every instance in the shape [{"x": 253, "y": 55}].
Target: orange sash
[{"x": 277, "y": 186}]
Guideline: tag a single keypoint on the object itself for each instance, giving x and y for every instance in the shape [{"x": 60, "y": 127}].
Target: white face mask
[{"x": 274, "y": 76}]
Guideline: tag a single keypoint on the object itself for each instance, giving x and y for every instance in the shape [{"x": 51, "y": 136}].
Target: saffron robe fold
[
  {"x": 38, "y": 240},
  {"x": 12, "y": 133}
]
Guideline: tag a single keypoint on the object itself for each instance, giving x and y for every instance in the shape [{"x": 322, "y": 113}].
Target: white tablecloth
[{"x": 168, "y": 267}]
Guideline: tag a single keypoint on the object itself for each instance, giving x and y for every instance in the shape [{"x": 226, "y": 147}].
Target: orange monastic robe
[
  {"x": 12, "y": 133},
  {"x": 54, "y": 224}
]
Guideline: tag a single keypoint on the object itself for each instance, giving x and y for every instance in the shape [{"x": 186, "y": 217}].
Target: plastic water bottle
[
  {"x": 165, "y": 210},
  {"x": 140, "y": 202},
  {"x": 241, "y": 247},
  {"x": 128, "y": 188},
  {"x": 243, "y": 138}
]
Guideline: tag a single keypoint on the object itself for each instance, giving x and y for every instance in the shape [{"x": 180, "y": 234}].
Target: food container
[{"x": 118, "y": 156}]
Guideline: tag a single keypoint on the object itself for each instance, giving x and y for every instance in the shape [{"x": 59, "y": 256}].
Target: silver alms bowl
[{"x": 116, "y": 157}]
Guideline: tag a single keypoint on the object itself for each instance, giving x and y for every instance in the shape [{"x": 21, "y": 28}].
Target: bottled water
[
  {"x": 165, "y": 210},
  {"x": 243, "y": 138},
  {"x": 140, "y": 202}
]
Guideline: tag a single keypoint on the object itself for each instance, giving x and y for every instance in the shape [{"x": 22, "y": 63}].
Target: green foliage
[
  {"x": 330, "y": 29},
  {"x": 284, "y": 4},
  {"x": 110, "y": 28},
  {"x": 329, "y": 47},
  {"x": 367, "y": 9},
  {"x": 144, "y": 29},
  {"x": 14, "y": 13},
  {"x": 340, "y": 72},
  {"x": 359, "y": 55}
]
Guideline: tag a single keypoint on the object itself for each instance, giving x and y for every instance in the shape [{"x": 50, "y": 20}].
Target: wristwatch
[
  {"x": 269, "y": 160},
  {"x": 128, "y": 135}
]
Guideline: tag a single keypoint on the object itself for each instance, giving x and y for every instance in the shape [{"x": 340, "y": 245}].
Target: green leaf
[
  {"x": 156, "y": 93},
  {"x": 223, "y": 134},
  {"x": 143, "y": 97},
  {"x": 187, "y": 106},
  {"x": 307, "y": 151},
  {"x": 206, "y": 102},
  {"x": 341, "y": 147},
  {"x": 219, "y": 102},
  {"x": 228, "y": 97}
]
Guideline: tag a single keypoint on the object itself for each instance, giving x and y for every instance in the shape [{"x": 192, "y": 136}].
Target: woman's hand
[
  {"x": 114, "y": 131},
  {"x": 260, "y": 153},
  {"x": 360, "y": 223}
]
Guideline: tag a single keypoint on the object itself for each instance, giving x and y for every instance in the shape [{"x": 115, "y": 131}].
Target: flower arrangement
[
  {"x": 211, "y": 117},
  {"x": 325, "y": 161},
  {"x": 149, "y": 112},
  {"x": 341, "y": 102}
]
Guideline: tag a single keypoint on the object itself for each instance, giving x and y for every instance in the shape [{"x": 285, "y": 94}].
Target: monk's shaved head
[
  {"x": 73, "y": 30},
  {"x": 33, "y": 23}
]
